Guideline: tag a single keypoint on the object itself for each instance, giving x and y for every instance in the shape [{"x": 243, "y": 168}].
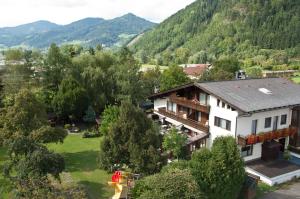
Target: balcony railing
[
  {"x": 189, "y": 103},
  {"x": 266, "y": 136},
  {"x": 186, "y": 121}
]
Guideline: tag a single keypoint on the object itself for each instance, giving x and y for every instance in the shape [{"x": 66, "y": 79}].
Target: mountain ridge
[
  {"x": 218, "y": 28},
  {"x": 87, "y": 31}
]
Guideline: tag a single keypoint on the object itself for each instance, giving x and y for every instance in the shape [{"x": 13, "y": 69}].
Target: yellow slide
[{"x": 118, "y": 189}]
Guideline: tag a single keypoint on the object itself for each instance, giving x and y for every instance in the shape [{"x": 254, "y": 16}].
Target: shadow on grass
[
  {"x": 81, "y": 161},
  {"x": 95, "y": 190}
]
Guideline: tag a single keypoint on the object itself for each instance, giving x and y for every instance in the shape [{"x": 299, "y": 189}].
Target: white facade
[
  {"x": 224, "y": 113},
  {"x": 160, "y": 103},
  {"x": 244, "y": 126},
  {"x": 239, "y": 124}
]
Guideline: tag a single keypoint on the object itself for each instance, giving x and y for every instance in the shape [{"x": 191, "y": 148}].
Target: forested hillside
[
  {"x": 259, "y": 32},
  {"x": 88, "y": 31}
]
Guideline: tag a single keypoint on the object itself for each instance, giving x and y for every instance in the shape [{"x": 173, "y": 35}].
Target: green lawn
[
  {"x": 81, "y": 163},
  {"x": 146, "y": 67},
  {"x": 296, "y": 79},
  {"x": 263, "y": 188}
]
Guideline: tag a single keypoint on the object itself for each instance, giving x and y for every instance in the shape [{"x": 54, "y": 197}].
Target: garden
[{"x": 81, "y": 166}]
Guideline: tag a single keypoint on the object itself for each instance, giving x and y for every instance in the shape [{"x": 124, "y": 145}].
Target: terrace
[{"x": 186, "y": 121}]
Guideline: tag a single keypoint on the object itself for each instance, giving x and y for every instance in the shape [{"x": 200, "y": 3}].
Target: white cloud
[{"x": 15, "y": 12}]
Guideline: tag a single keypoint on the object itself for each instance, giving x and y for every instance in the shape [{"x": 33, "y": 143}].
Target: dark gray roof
[{"x": 245, "y": 94}]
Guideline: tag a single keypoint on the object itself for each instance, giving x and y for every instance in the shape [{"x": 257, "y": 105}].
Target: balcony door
[{"x": 275, "y": 123}]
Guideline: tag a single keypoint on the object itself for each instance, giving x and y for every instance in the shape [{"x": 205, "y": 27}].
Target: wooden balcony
[
  {"x": 193, "y": 104},
  {"x": 267, "y": 136},
  {"x": 185, "y": 121}
]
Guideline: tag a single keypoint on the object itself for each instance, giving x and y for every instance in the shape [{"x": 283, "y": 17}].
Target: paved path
[{"x": 291, "y": 192}]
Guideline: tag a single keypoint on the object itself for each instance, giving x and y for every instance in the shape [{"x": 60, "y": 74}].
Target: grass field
[
  {"x": 81, "y": 163},
  {"x": 146, "y": 67},
  {"x": 296, "y": 79}
]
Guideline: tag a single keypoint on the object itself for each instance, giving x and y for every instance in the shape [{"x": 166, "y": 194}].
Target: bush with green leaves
[
  {"x": 175, "y": 142},
  {"x": 132, "y": 140},
  {"x": 24, "y": 131},
  {"x": 220, "y": 173},
  {"x": 173, "y": 183}
]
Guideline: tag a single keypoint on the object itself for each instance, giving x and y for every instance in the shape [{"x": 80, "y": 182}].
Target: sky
[{"x": 16, "y": 12}]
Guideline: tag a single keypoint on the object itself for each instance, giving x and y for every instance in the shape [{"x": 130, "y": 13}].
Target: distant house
[
  {"x": 194, "y": 71},
  {"x": 263, "y": 115}
]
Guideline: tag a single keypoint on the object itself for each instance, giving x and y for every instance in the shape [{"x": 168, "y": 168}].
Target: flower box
[
  {"x": 251, "y": 139},
  {"x": 261, "y": 137},
  {"x": 280, "y": 133},
  {"x": 268, "y": 136},
  {"x": 286, "y": 133}
]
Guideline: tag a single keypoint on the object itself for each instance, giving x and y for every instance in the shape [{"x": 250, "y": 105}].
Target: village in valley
[{"x": 199, "y": 106}]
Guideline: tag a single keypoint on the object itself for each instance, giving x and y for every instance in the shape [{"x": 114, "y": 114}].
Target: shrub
[
  {"x": 67, "y": 126},
  {"x": 171, "y": 184},
  {"x": 90, "y": 134}
]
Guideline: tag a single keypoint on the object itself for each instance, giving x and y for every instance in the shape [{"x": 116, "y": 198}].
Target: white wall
[
  {"x": 224, "y": 113},
  {"x": 160, "y": 103},
  {"x": 256, "y": 153},
  {"x": 277, "y": 179},
  {"x": 244, "y": 127},
  {"x": 245, "y": 123}
]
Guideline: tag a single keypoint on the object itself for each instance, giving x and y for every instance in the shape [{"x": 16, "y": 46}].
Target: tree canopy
[
  {"x": 132, "y": 140},
  {"x": 174, "y": 183},
  {"x": 172, "y": 77}
]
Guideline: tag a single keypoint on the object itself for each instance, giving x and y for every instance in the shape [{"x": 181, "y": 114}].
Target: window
[
  {"x": 171, "y": 106},
  {"x": 218, "y": 102},
  {"x": 268, "y": 122},
  {"x": 254, "y": 126},
  {"x": 203, "y": 98},
  {"x": 228, "y": 107},
  {"x": 223, "y": 105},
  {"x": 246, "y": 151},
  {"x": 222, "y": 123},
  {"x": 283, "y": 119}
]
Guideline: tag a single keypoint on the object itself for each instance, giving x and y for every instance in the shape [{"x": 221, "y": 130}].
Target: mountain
[
  {"x": 210, "y": 29},
  {"x": 88, "y": 31},
  {"x": 10, "y": 36}
]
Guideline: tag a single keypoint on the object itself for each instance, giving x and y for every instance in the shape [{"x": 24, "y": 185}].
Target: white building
[{"x": 260, "y": 113}]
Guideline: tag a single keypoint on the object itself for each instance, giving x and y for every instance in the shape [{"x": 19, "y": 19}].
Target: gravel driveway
[{"x": 291, "y": 192}]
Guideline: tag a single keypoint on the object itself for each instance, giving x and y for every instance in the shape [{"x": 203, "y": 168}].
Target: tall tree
[
  {"x": 128, "y": 78},
  {"x": 71, "y": 99},
  {"x": 220, "y": 172},
  {"x": 132, "y": 140},
  {"x": 24, "y": 128},
  {"x": 174, "y": 142},
  {"x": 172, "y": 77},
  {"x": 55, "y": 68}
]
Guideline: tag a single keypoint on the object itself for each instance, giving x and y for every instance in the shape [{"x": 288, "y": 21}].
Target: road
[{"x": 290, "y": 192}]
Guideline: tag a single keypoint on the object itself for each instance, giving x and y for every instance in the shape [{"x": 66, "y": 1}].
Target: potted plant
[
  {"x": 261, "y": 137},
  {"x": 251, "y": 139}
]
